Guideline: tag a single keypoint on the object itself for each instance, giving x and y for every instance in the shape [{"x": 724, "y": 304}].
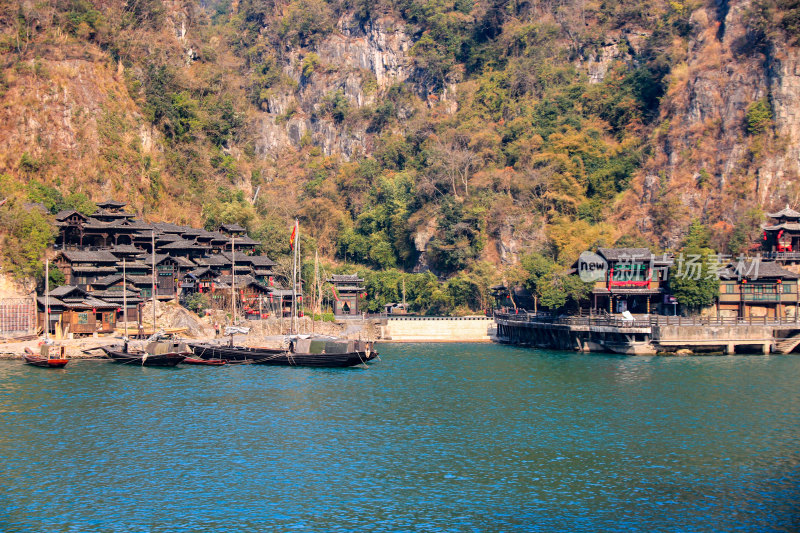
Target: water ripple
[{"x": 432, "y": 438}]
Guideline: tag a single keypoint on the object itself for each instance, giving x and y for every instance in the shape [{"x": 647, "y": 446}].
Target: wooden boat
[
  {"x": 51, "y": 357},
  {"x": 327, "y": 353},
  {"x": 155, "y": 353},
  {"x": 233, "y": 355},
  {"x": 207, "y": 362}
]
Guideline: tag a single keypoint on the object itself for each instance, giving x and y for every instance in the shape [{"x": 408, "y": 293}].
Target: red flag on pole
[{"x": 294, "y": 234}]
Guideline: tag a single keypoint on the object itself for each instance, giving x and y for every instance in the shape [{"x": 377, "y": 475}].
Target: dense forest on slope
[{"x": 472, "y": 138}]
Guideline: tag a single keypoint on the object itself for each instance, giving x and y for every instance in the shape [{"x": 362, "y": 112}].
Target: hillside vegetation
[{"x": 492, "y": 134}]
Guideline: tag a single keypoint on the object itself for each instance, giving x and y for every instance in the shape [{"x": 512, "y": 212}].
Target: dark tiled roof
[
  {"x": 92, "y": 269},
  {"x": 261, "y": 261},
  {"x": 344, "y": 278},
  {"x": 168, "y": 227},
  {"x": 213, "y": 260},
  {"x": 789, "y": 226},
  {"x": 786, "y": 212},
  {"x": 123, "y": 249},
  {"x": 66, "y": 213},
  {"x": 105, "y": 281},
  {"x": 111, "y": 204},
  {"x": 181, "y": 244},
  {"x": 198, "y": 272},
  {"x": 131, "y": 295},
  {"x": 66, "y": 290},
  {"x": 184, "y": 262},
  {"x": 52, "y": 301},
  {"x": 242, "y": 281},
  {"x": 623, "y": 254},
  {"x": 245, "y": 240},
  {"x": 755, "y": 269},
  {"x": 99, "y": 256},
  {"x": 232, "y": 228},
  {"x": 138, "y": 225}
]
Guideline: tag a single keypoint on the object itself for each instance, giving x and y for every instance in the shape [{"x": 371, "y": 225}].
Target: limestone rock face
[
  {"x": 360, "y": 61},
  {"x": 706, "y": 164}
]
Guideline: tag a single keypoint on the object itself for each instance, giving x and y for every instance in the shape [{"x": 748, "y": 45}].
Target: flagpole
[
  {"x": 153, "y": 236},
  {"x": 124, "y": 299},
  {"x": 296, "y": 239},
  {"x": 46, "y": 300},
  {"x": 233, "y": 277}
]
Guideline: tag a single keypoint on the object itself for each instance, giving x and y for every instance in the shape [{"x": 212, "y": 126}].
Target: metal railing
[{"x": 643, "y": 321}]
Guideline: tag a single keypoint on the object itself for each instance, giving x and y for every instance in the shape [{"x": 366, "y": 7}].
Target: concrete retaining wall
[{"x": 438, "y": 329}]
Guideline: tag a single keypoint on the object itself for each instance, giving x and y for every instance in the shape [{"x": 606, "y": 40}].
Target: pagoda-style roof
[
  {"x": 625, "y": 254},
  {"x": 786, "y": 212},
  {"x": 102, "y": 213},
  {"x": 787, "y": 226},
  {"x": 111, "y": 204}
]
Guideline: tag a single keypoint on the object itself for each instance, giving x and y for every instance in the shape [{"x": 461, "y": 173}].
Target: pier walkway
[{"x": 649, "y": 334}]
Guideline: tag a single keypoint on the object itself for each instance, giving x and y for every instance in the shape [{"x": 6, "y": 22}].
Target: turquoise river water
[{"x": 436, "y": 437}]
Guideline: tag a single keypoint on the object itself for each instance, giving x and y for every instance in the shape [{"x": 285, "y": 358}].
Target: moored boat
[
  {"x": 51, "y": 357},
  {"x": 206, "y": 362},
  {"x": 312, "y": 352},
  {"x": 155, "y": 353}
]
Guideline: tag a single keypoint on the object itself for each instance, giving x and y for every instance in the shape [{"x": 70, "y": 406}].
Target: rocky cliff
[{"x": 710, "y": 161}]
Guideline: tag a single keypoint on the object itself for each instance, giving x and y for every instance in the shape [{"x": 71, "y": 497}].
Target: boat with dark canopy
[
  {"x": 312, "y": 352},
  {"x": 154, "y": 353}
]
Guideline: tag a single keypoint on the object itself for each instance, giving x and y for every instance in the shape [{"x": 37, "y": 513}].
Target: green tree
[
  {"x": 758, "y": 117},
  {"x": 694, "y": 281}
]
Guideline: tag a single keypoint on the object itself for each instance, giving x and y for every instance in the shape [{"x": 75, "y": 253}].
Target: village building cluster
[{"x": 110, "y": 259}]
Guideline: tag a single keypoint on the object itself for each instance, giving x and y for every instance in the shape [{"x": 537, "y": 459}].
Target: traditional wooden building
[
  {"x": 115, "y": 290},
  {"x": 757, "y": 288},
  {"x": 348, "y": 290},
  {"x": 635, "y": 281},
  {"x": 81, "y": 268},
  {"x": 251, "y": 296},
  {"x": 781, "y": 238},
  {"x": 74, "y": 310}
]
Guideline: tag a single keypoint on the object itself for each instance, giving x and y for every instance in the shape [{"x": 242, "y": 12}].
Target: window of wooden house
[
  {"x": 630, "y": 272},
  {"x": 83, "y": 318},
  {"x": 730, "y": 288},
  {"x": 789, "y": 288}
]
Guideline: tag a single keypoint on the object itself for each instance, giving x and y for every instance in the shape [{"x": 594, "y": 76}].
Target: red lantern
[{"x": 300, "y": 298}]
